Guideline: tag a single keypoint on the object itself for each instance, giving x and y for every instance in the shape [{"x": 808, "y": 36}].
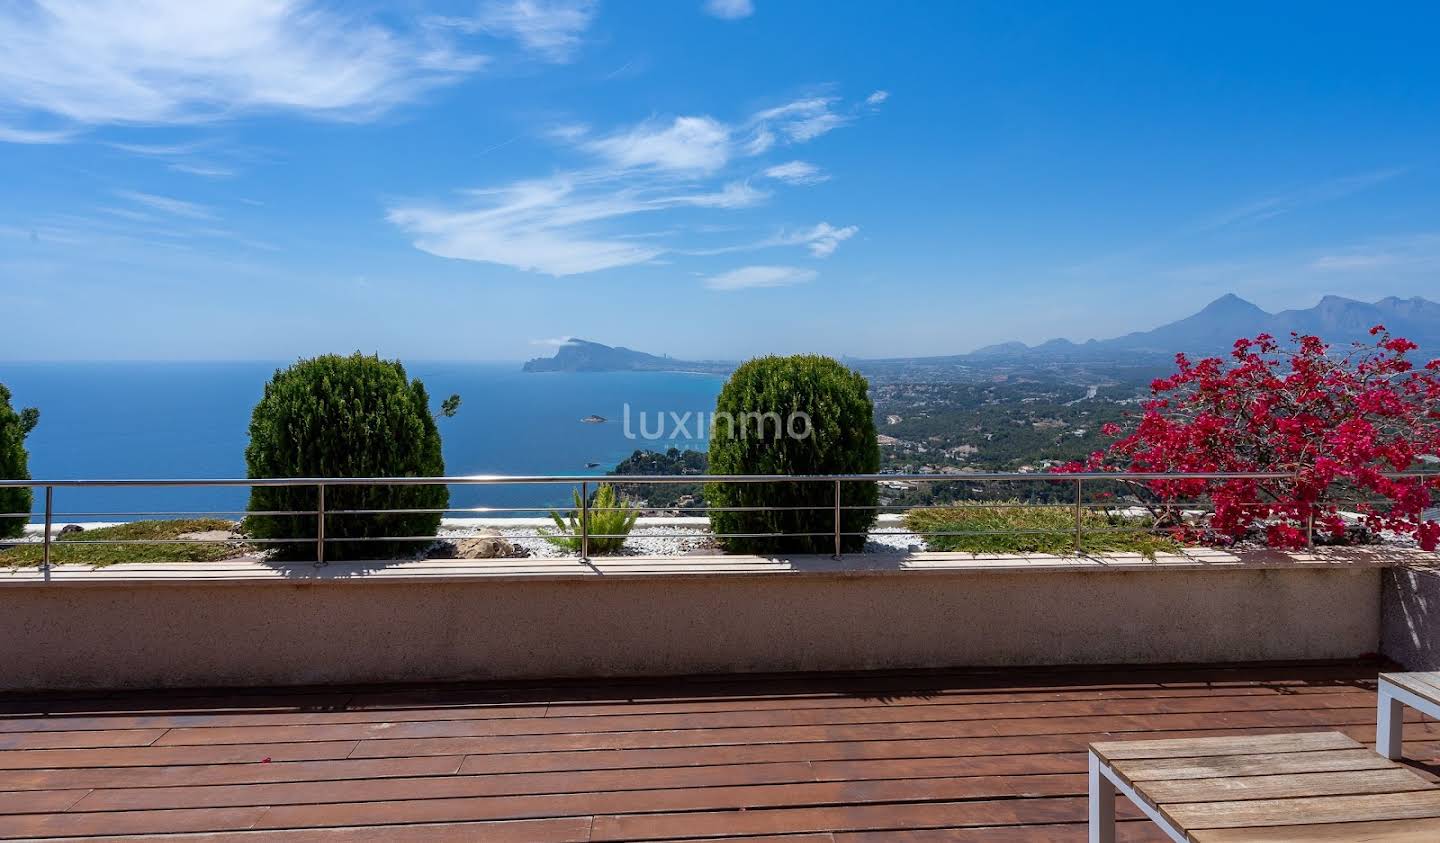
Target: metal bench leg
[
  {"x": 1389, "y": 725},
  {"x": 1102, "y": 804}
]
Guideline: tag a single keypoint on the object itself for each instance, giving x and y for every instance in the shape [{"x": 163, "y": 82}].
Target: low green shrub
[
  {"x": 15, "y": 465},
  {"x": 611, "y": 520},
  {"x": 356, "y": 416},
  {"x": 763, "y": 402},
  {"x": 1010, "y": 527}
]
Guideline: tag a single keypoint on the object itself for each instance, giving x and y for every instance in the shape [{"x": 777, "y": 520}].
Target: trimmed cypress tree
[
  {"x": 793, "y": 415},
  {"x": 15, "y": 465},
  {"x": 356, "y": 416}
]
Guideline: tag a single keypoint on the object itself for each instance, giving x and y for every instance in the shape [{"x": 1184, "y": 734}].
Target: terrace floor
[{"x": 965, "y": 755}]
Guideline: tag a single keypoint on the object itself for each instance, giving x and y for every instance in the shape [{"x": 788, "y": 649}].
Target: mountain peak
[{"x": 1230, "y": 304}]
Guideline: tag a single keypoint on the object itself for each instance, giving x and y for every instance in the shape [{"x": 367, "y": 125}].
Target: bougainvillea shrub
[{"x": 1340, "y": 424}]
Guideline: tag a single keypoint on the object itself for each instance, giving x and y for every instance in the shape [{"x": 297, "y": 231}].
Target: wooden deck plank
[
  {"x": 1219, "y": 766},
  {"x": 128, "y": 822},
  {"x": 79, "y": 740},
  {"x": 42, "y": 802},
  {"x": 1134, "y": 831},
  {"x": 1282, "y": 786},
  {"x": 1381, "y": 831},
  {"x": 1268, "y": 812},
  {"x": 1425, "y": 738},
  {"x": 558, "y": 830},
  {"x": 687, "y": 800},
  {"x": 155, "y": 756},
  {"x": 216, "y": 774},
  {"x": 874, "y": 818},
  {"x": 444, "y": 726},
  {"x": 1117, "y": 751},
  {"x": 436, "y": 787}
]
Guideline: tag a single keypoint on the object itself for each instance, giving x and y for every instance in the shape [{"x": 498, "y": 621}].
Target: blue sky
[{"x": 260, "y": 179}]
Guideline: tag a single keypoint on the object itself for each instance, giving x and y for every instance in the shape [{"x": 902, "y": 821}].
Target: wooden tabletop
[
  {"x": 1315, "y": 786},
  {"x": 1425, "y": 684}
]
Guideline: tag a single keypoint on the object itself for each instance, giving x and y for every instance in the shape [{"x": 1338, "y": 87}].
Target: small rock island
[{"x": 578, "y": 355}]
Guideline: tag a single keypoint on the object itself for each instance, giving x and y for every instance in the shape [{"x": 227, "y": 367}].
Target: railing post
[
  {"x": 49, "y": 520},
  {"x": 585, "y": 522},
  {"x": 320, "y": 525},
  {"x": 837, "y": 519},
  {"x": 1079, "y": 515}
]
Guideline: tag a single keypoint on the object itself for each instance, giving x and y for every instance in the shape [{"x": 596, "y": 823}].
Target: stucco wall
[
  {"x": 1411, "y": 607},
  {"x": 75, "y": 636}
]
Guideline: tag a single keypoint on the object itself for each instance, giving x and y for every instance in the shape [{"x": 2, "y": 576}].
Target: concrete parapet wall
[{"x": 340, "y": 627}]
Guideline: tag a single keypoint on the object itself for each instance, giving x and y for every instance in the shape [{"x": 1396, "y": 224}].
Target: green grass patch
[
  {"x": 1005, "y": 528},
  {"x": 72, "y": 547}
]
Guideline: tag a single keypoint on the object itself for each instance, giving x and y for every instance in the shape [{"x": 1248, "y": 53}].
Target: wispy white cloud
[
  {"x": 729, "y": 9},
  {"x": 179, "y": 157},
  {"x": 570, "y": 223},
  {"x": 553, "y": 342},
  {"x": 97, "y": 62},
  {"x": 157, "y": 150},
  {"x": 208, "y": 171},
  {"x": 748, "y": 277},
  {"x": 736, "y": 194},
  {"x": 1350, "y": 262},
  {"x": 796, "y": 172},
  {"x": 800, "y": 121},
  {"x": 1250, "y": 213},
  {"x": 541, "y": 226},
  {"x": 1285, "y": 202},
  {"x": 551, "y": 29},
  {"x": 128, "y": 214},
  {"x": 167, "y": 204},
  {"x": 701, "y": 144},
  {"x": 877, "y": 98},
  {"x": 822, "y": 240},
  {"x": 35, "y": 136},
  {"x": 1409, "y": 252}
]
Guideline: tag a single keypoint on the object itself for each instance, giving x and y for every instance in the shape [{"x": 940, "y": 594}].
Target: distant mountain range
[
  {"x": 576, "y": 355},
  {"x": 1215, "y": 328}
]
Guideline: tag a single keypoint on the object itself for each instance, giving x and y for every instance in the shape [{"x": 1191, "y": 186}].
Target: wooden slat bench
[
  {"x": 1313, "y": 786},
  {"x": 1420, "y": 691}
]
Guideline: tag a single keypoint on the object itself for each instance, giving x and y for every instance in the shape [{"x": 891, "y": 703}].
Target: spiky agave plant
[{"x": 610, "y": 521}]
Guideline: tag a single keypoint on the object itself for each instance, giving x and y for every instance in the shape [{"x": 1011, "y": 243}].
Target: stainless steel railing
[{"x": 837, "y": 506}]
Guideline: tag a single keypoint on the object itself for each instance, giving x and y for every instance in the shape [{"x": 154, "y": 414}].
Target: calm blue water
[{"x": 189, "y": 420}]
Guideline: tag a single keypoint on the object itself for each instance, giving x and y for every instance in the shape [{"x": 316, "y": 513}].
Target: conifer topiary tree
[
  {"x": 793, "y": 415},
  {"x": 14, "y": 465},
  {"x": 356, "y": 416}
]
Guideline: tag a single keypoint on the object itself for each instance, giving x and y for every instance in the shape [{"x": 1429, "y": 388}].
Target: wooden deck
[{"x": 981, "y": 755}]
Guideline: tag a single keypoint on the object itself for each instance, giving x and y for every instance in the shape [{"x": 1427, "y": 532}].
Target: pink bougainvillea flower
[{"x": 1338, "y": 426}]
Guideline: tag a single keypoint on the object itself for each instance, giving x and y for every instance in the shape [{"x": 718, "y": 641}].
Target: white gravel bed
[
  {"x": 649, "y": 537},
  {"x": 644, "y": 540}
]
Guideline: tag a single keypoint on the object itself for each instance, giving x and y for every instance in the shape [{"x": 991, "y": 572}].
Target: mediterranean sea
[{"x": 190, "y": 420}]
